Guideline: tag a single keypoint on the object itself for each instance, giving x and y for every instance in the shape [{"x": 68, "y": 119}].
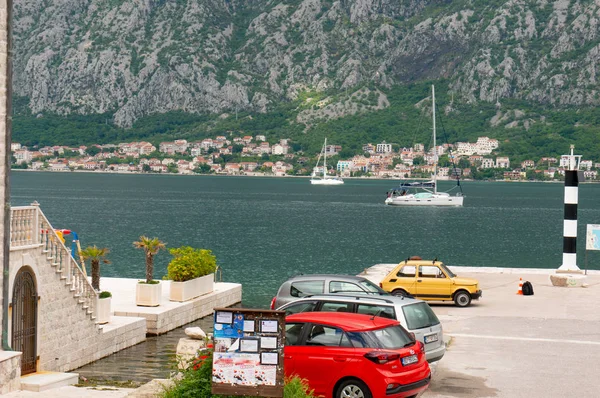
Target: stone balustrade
[{"x": 31, "y": 228}]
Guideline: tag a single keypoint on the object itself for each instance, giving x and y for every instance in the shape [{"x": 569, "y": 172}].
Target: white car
[{"x": 414, "y": 315}]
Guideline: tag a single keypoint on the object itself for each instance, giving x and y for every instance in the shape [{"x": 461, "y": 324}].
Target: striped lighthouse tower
[{"x": 569, "y": 259}]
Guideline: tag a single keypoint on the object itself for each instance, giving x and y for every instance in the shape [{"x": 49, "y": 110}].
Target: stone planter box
[
  {"x": 184, "y": 291},
  {"x": 103, "y": 310},
  {"x": 148, "y": 294}
]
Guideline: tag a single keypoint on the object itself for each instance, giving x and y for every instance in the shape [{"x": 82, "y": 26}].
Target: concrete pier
[
  {"x": 129, "y": 325},
  {"x": 507, "y": 345},
  {"x": 169, "y": 314}
]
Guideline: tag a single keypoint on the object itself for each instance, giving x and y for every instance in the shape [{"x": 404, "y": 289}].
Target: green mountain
[{"x": 522, "y": 71}]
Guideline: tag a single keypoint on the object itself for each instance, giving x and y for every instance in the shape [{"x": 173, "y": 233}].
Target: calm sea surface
[{"x": 264, "y": 230}]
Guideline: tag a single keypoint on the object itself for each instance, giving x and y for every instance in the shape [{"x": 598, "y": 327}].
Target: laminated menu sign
[
  {"x": 222, "y": 367},
  {"x": 248, "y": 352},
  {"x": 266, "y": 375},
  {"x": 244, "y": 369}
]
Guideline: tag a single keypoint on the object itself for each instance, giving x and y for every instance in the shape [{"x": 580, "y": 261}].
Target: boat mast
[
  {"x": 325, "y": 159},
  {"x": 434, "y": 142}
]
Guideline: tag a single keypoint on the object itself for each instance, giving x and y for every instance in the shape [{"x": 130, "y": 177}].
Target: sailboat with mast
[
  {"x": 424, "y": 193},
  {"x": 325, "y": 179}
]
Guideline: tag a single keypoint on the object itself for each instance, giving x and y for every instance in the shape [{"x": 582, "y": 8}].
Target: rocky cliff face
[{"x": 132, "y": 58}]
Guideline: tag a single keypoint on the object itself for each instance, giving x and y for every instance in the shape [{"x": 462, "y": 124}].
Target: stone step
[{"x": 42, "y": 381}]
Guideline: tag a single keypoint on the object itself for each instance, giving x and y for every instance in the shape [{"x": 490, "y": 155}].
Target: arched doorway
[{"x": 24, "y": 319}]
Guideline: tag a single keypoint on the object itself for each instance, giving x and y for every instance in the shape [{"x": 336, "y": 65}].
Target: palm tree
[
  {"x": 151, "y": 246},
  {"x": 95, "y": 255}
]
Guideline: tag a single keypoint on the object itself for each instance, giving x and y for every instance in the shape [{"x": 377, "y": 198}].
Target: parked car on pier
[
  {"x": 305, "y": 285},
  {"x": 354, "y": 355},
  {"x": 414, "y": 315},
  {"x": 430, "y": 280}
]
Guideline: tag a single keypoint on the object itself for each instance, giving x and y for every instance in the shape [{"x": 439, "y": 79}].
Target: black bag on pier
[{"x": 527, "y": 289}]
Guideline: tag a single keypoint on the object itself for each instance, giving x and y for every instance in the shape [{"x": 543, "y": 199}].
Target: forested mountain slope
[{"x": 320, "y": 60}]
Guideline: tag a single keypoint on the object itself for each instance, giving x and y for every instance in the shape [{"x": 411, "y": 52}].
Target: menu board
[{"x": 248, "y": 352}]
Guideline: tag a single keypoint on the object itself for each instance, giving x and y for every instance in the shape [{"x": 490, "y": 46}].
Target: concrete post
[
  {"x": 5, "y": 135},
  {"x": 569, "y": 274}
]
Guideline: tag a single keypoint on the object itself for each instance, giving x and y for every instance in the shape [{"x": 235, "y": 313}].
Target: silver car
[
  {"x": 415, "y": 315},
  {"x": 305, "y": 285}
]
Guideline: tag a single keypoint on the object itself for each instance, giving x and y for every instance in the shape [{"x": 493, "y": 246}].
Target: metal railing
[{"x": 31, "y": 228}]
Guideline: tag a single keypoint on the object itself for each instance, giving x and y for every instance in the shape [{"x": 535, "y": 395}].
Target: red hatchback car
[{"x": 344, "y": 355}]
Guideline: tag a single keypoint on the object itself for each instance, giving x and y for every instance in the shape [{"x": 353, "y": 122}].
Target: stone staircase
[{"x": 66, "y": 267}]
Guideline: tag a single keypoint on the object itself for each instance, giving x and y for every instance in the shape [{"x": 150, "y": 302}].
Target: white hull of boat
[
  {"x": 433, "y": 200},
  {"x": 327, "y": 181}
]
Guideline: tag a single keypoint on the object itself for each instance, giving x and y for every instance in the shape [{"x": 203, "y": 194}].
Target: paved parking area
[{"x": 506, "y": 345}]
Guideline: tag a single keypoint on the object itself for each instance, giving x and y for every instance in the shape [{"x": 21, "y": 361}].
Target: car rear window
[
  {"x": 391, "y": 337},
  {"x": 370, "y": 287},
  {"x": 320, "y": 335},
  {"x": 305, "y": 288},
  {"x": 295, "y": 308},
  {"x": 377, "y": 310},
  {"x": 334, "y": 306},
  {"x": 344, "y": 287},
  {"x": 419, "y": 315}
]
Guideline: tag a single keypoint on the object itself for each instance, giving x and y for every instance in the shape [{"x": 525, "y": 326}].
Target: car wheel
[
  {"x": 353, "y": 388},
  {"x": 400, "y": 293},
  {"x": 462, "y": 299}
]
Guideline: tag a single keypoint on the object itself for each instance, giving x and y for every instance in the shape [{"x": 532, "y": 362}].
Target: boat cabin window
[
  {"x": 429, "y": 271},
  {"x": 407, "y": 271},
  {"x": 305, "y": 288}
]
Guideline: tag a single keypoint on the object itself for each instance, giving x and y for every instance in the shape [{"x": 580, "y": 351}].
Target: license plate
[
  {"x": 410, "y": 360},
  {"x": 431, "y": 338}
]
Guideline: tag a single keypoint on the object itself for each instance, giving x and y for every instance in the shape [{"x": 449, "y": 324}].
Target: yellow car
[{"x": 430, "y": 280}]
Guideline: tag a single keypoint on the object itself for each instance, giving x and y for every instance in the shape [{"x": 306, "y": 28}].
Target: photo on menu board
[{"x": 233, "y": 329}]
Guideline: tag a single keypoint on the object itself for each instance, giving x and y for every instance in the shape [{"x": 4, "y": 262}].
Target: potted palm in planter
[
  {"x": 148, "y": 292},
  {"x": 97, "y": 255},
  {"x": 191, "y": 272}
]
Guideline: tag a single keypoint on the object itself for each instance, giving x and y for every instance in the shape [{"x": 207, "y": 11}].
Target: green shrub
[
  {"x": 189, "y": 263},
  {"x": 196, "y": 381},
  {"x": 105, "y": 294}
]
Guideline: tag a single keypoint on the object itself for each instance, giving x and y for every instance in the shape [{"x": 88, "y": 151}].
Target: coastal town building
[
  {"x": 177, "y": 146},
  {"x": 279, "y": 149},
  {"x": 384, "y": 148},
  {"x": 369, "y": 148},
  {"x": 527, "y": 164},
  {"x": 22, "y": 156},
  {"x": 502, "y": 162},
  {"x": 548, "y": 161},
  {"x": 483, "y": 146},
  {"x": 585, "y": 165},
  {"x": 380, "y": 159}
]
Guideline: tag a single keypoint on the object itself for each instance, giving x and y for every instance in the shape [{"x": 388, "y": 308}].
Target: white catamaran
[
  {"x": 424, "y": 193},
  {"x": 325, "y": 180}
]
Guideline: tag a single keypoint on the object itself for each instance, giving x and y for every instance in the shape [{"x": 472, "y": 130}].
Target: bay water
[{"x": 265, "y": 230}]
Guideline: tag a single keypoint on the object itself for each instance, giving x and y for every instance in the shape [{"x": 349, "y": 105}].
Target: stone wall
[
  {"x": 4, "y": 139},
  {"x": 65, "y": 331},
  {"x": 10, "y": 371},
  {"x": 68, "y": 338}
]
